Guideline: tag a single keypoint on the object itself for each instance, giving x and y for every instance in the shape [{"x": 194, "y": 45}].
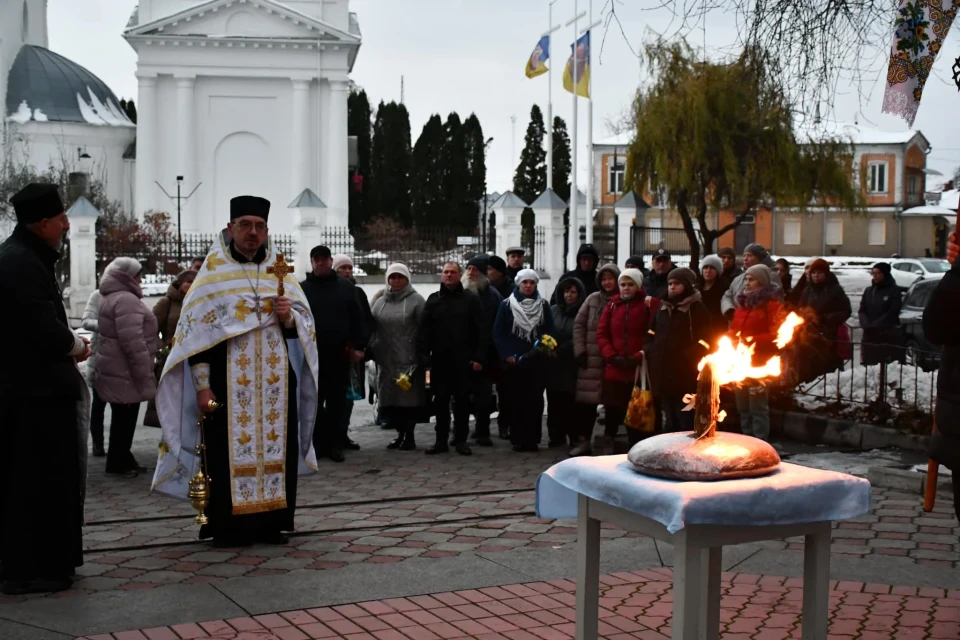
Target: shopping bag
[
  {"x": 640, "y": 412},
  {"x": 355, "y": 386}
]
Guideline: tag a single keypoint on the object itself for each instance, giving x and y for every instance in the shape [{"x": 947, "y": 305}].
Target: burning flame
[{"x": 734, "y": 363}]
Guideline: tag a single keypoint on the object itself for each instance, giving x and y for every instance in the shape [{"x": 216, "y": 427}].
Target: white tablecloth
[{"x": 791, "y": 495}]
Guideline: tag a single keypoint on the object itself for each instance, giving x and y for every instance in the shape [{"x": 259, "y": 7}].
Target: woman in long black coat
[
  {"x": 879, "y": 316},
  {"x": 825, "y": 306},
  {"x": 562, "y": 408}
]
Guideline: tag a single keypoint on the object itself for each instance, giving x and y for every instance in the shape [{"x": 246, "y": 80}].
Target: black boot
[
  {"x": 398, "y": 443},
  {"x": 441, "y": 446},
  {"x": 409, "y": 442}
]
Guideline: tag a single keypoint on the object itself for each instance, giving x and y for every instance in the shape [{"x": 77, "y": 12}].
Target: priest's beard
[{"x": 477, "y": 284}]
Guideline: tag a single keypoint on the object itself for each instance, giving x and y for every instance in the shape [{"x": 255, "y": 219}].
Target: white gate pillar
[
  {"x": 83, "y": 254},
  {"x": 509, "y": 208},
  {"x": 309, "y": 220},
  {"x": 548, "y": 213},
  {"x": 630, "y": 208}
]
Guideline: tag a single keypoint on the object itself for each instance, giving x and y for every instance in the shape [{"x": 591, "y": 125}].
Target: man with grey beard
[{"x": 476, "y": 280}]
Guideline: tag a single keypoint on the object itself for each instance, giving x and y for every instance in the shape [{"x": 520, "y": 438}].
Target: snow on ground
[
  {"x": 856, "y": 464},
  {"x": 906, "y": 385}
]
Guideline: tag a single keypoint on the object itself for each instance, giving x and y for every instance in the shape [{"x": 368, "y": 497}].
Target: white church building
[
  {"x": 55, "y": 112},
  {"x": 242, "y": 97}
]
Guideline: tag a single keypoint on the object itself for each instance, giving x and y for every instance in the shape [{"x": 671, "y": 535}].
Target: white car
[{"x": 906, "y": 271}]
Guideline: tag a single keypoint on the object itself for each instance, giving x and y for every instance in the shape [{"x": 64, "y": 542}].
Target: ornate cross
[{"x": 280, "y": 269}]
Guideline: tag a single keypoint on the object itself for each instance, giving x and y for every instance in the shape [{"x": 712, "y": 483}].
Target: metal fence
[
  {"x": 604, "y": 241},
  {"x": 645, "y": 241},
  {"x": 163, "y": 256},
  {"x": 900, "y": 384}
]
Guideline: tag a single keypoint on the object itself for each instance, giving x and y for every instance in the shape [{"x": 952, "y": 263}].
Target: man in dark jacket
[
  {"x": 730, "y": 269},
  {"x": 585, "y": 272},
  {"x": 482, "y": 389},
  {"x": 41, "y": 480},
  {"x": 343, "y": 265},
  {"x": 340, "y": 341},
  {"x": 514, "y": 262},
  {"x": 940, "y": 327},
  {"x": 879, "y": 316},
  {"x": 497, "y": 273},
  {"x": 655, "y": 282},
  {"x": 453, "y": 343}
]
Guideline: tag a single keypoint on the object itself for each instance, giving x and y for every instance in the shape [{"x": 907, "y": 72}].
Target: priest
[{"x": 253, "y": 352}]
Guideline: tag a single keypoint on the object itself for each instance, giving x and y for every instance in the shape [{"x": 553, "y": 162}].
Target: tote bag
[{"x": 640, "y": 412}]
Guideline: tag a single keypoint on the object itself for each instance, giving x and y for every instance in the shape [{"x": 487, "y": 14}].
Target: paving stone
[{"x": 226, "y": 570}]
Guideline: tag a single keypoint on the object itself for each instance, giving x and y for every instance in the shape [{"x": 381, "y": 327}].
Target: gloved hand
[
  {"x": 581, "y": 360},
  {"x": 621, "y": 362}
]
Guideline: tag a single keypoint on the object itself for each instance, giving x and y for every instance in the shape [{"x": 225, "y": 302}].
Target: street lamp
[
  {"x": 483, "y": 224},
  {"x": 179, "y": 199}
]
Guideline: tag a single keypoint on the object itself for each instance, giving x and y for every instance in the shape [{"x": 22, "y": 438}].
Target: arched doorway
[{"x": 243, "y": 165}]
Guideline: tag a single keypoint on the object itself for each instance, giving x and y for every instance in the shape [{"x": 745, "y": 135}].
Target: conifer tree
[
  {"x": 530, "y": 179},
  {"x": 389, "y": 193},
  {"x": 428, "y": 197},
  {"x": 475, "y": 151},
  {"x": 358, "y": 124},
  {"x": 561, "y": 159}
]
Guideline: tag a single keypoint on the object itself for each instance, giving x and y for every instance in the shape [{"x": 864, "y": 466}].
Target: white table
[{"x": 699, "y": 519}]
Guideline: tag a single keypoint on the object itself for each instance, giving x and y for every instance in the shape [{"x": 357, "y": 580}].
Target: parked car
[
  {"x": 919, "y": 350},
  {"x": 906, "y": 271}
]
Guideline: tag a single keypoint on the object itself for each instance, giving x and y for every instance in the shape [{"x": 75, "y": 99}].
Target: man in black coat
[
  {"x": 41, "y": 484},
  {"x": 730, "y": 269},
  {"x": 655, "y": 282},
  {"x": 939, "y": 326},
  {"x": 340, "y": 342},
  {"x": 482, "y": 390},
  {"x": 514, "y": 262},
  {"x": 499, "y": 280},
  {"x": 585, "y": 271},
  {"x": 879, "y": 317},
  {"x": 357, "y": 371},
  {"x": 453, "y": 343}
]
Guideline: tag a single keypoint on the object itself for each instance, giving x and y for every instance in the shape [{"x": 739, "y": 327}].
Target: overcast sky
[{"x": 469, "y": 55}]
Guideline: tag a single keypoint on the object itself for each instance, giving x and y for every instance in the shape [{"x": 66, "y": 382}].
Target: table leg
[
  {"x": 816, "y": 582},
  {"x": 588, "y": 571},
  {"x": 687, "y": 588},
  {"x": 710, "y": 593}
]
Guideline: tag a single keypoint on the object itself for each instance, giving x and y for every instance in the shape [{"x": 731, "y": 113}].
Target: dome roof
[{"x": 44, "y": 86}]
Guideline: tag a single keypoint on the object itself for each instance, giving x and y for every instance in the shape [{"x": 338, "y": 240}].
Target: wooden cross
[{"x": 280, "y": 269}]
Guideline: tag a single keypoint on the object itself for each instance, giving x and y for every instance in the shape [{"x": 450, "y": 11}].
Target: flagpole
[
  {"x": 588, "y": 214},
  {"x": 550, "y": 29},
  {"x": 573, "y": 229}
]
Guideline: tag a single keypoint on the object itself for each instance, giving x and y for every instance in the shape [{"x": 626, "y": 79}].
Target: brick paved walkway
[{"x": 634, "y": 606}]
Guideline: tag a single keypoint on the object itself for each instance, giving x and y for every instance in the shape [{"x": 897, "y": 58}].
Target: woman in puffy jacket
[
  {"x": 620, "y": 336},
  {"x": 128, "y": 341},
  {"x": 757, "y": 316}
]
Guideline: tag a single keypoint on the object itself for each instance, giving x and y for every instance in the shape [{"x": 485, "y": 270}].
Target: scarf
[{"x": 527, "y": 315}]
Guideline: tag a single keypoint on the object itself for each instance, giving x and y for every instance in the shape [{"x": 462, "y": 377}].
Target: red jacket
[
  {"x": 622, "y": 330},
  {"x": 757, "y": 316}
]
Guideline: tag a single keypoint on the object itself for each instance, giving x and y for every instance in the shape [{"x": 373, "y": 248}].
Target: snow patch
[
  {"x": 22, "y": 115},
  {"x": 39, "y": 115},
  {"x": 89, "y": 113},
  {"x": 95, "y": 112},
  {"x": 906, "y": 385}
]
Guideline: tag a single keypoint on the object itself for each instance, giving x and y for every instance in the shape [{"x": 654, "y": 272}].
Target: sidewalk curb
[
  {"x": 810, "y": 428},
  {"x": 905, "y": 479}
]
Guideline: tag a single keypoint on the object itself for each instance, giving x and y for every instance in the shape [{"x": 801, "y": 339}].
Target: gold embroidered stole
[{"x": 257, "y": 377}]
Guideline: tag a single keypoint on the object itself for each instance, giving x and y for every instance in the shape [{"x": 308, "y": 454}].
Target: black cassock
[
  {"x": 223, "y": 524},
  {"x": 41, "y": 511}
]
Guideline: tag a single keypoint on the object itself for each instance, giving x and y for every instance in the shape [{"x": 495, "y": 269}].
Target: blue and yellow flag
[
  {"x": 582, "y": 54},
  {"x": 537, "y": 64}
]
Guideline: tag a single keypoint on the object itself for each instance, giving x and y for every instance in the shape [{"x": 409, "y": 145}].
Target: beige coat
[{"x": 590, "y": 380}]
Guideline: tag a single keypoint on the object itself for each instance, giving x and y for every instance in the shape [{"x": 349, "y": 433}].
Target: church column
[
  {"x": 186, "y": 142},
  {"x": 335, "y": 154},
  {"x": 300, "y": 176},
  {"x": 146, "y": 142}
]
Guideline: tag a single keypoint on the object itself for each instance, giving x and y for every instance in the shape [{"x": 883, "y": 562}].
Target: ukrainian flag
[
  {"x": 582, "y": 53},
  {"x": 537, "y": 64}
]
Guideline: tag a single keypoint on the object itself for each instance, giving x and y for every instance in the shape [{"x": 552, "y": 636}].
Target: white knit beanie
[
  {"x": 526, "y": 274},
  {"x": 129, "y": 266},
  {"x": 398, "y": 268},
  {"x": 712, "y": 261},
  {"x": 633, "y": 274},
  {"x": 340, "y": 260}
]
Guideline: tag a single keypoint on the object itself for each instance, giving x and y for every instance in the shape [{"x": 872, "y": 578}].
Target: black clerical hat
[
  {"x": 37, "y": 201},
  {"x": 249, "y": 206}
]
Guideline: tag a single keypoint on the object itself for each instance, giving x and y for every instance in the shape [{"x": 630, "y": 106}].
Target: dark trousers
[
  {"x": 504, "y": 407},
  {"x": 96, "y": 418},
  {"x": 677, "y": 419},
  {"x": 330, "y": 431},
  {"x": 526, "y": 384},
  {"x": 479, "y": 403},
  {"x": 347, "y": 413},
  {"x": 567, "y": 419},
  {"x": 956, "y": 499},
  {"x": 123, "y": 424},
  {"x": 461, "y": 415}
]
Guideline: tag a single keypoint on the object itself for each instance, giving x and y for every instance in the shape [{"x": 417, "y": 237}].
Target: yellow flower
[{"x": 403, "y": 381}]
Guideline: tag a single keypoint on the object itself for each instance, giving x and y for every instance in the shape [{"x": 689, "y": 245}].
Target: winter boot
[
  {"x": 409, "y": 443},
  {"x": 399, "y": 442}
]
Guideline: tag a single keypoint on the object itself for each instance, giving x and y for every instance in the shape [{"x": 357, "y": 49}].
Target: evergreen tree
[
  {"x": 389, "y": 193},
  {"x": 456, "y": 176},
  {"x": 358, "y": 124},
  {"x": 475, "y": 152},
  {"x": 427, "y": 175},
  {"x": 561, "y": 159},
  {"x": 530, "y": 179},
  {"x": 130, "y": 109}
]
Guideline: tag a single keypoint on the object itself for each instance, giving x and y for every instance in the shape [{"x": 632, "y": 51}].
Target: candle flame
[{"x": 734, "y": 363}]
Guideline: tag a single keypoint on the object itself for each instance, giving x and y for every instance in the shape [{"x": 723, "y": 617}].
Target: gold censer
[{"x": 199, "y": 492}]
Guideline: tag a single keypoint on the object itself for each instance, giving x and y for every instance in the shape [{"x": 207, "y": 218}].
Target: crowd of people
[{"x": 266, "y": 376}]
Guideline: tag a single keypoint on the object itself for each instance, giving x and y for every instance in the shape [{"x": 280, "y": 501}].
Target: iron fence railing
[
  {"x": 644, "y": 241},
  {"x": 899, "y": 383}
]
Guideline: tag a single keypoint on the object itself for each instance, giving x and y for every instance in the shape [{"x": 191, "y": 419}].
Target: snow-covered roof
[
  {"x": 950, "y": 199},
  {"x": 854, "y": 133},
  {"x": 510, "y": 200},
  {"x": 928, "y": 210},
  {"x": 619, "y": 140},
  {"x": 307, "y": 198},
  {"x": 83, "y": 208},
  {"x": 44, "y": 86}
]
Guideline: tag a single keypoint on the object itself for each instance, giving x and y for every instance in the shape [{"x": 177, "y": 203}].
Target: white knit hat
[
  {"x": 633, "y": 274},
  {"x": 526, "y": 274},
  {"x": 398, "y": 268},
  {"x": 712, "y": 261},
  {"x": 340, "y": 260},
  {"x": 129, "y": 266}
]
